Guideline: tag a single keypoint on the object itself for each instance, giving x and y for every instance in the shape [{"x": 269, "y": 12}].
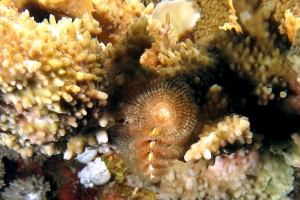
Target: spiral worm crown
[{"x": 159, "y": 118}]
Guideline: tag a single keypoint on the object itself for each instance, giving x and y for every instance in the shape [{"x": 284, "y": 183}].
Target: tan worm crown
[{"x": 159, "y": 118}]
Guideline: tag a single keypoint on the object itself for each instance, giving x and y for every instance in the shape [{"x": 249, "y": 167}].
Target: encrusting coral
[
  {"x": 290, "y": 149},
  {"x": 182, "y": 106},
  {"x": 209, "y": 22},
  {"x": 248, "y": 174}
]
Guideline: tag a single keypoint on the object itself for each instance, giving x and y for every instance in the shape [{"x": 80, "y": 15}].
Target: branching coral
[
  {"x": 170, "y": 55},
  {"x": 215, "y": 103},
  {"x": 290, "y": 24},
  {"x": 258, "y": 54},
  {"x": 282, "y": 6},
  {"x": 51, "y": 76},
  {"x": 232, "y": 130}
]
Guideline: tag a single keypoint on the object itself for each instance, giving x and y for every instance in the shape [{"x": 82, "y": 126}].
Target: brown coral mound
[{"x": 159, "y": 117}]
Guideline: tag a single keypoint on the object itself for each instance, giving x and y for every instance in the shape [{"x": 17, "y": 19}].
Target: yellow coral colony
[{"x": 46, "y": 69}]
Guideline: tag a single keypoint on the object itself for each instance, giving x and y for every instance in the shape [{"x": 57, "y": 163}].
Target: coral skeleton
[
  {"x": 95, "y": 173},
  {"x": 87, "y": 156}
]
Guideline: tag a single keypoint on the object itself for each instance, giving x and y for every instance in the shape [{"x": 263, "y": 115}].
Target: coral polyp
[{"x": 159, "y": 118}]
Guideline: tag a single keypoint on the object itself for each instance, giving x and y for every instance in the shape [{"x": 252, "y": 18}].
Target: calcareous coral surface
[{"x": 183, "y": 99}]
